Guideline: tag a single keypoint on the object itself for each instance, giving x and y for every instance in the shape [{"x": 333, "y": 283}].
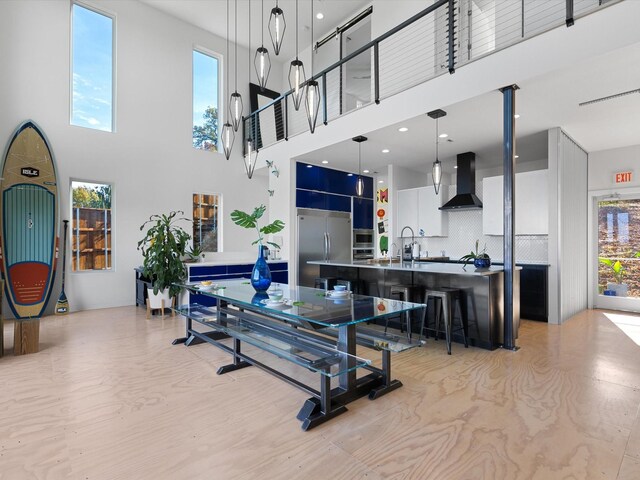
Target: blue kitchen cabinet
[
  {"x": 215, "y": 273},
  {"x": 362, "y": 213}
]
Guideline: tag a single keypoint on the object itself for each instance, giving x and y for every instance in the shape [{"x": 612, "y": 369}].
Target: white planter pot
[
  {"x": 162, "y": 299},
  {"x": 621, "y": 289}
]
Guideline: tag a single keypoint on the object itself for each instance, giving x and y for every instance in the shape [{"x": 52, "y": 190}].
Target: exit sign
[{"x": 623, "y": 177}]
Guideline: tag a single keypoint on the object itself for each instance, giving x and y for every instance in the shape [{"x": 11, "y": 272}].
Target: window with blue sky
[
  {"x": 205, "y": 101},
  {"x": 92, "y": 69}
]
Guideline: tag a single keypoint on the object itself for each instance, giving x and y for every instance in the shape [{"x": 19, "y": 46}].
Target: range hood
[{"x": 465, "y": 198}]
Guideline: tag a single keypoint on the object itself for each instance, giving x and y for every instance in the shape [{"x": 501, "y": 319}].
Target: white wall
[
  {"x": 149, "y": 159},
  {"x": 604, "y": 163},
  {"x": 568, "y": 227}
]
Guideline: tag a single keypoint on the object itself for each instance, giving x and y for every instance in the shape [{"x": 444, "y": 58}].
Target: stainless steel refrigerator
[{"x": 322, "y": 235}]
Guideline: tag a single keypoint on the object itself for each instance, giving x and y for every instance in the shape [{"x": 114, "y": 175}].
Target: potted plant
[
  {"x": 617, "y": 269},
  {"x": 260, "y": 275},
  {"x": 163, "y": 248},
  {"x": 479, "y": 257}
]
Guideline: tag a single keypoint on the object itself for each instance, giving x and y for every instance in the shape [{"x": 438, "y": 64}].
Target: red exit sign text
[{"x": 623, "y": 177}]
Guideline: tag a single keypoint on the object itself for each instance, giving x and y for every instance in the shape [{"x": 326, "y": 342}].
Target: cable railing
[{"x": 442, "y": 37}]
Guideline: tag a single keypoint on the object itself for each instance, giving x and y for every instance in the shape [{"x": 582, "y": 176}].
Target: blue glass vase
[{"x": 261, "y": 275}]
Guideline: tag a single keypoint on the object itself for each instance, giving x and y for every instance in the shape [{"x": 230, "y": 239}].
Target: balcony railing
[{"x": 445, "y": 36}]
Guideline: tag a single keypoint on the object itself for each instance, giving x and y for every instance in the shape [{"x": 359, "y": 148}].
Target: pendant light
[
  {"x": 235, "y": 102},
  {"x": 360, "y": 182},
  {"x": 277, "y": 26},
  {"x": 436, "y": 169},
  {"x": 228, "y": 135},
  {"x": 251, "y": 151},
  {"x": 261, "y": 60},
  {"x": 296, "y": 74},
  {"x": 312, "y": 97}
]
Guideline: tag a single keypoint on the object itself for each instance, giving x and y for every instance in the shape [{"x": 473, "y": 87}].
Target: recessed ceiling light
[
  {"x": 403, "y": 129},
  {"x": 380, "y": 181},
  {"x": 365, "y": 171},
  {"x": 319, "y": 15},
  {"x": 516, "y": 116},
  {"x": 517, "y": 156},
  {"x": 443, "y": 135},
  {"x": 349, "y": 174},
  {"x": 455, "y": 166},
  {"x": 325, "y": 161},
  {"x": 309, "y": 166},
  {"x": 386, "y": 150}
]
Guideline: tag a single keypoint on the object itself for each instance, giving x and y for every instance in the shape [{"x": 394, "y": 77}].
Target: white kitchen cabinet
[
  {"x": 532, "y": 205},
  {"x": 431, "y": 219},
  {"x": 418, "y": 208},
  {"x": 407, "y": 210}
]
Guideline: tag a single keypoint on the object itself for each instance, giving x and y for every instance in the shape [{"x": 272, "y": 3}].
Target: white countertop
[{"x": 429, "y": 267}]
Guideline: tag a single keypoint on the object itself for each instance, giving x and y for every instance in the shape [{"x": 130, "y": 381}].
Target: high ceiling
[
  {"x": 211, "y": 15},
  {"x": 476, "y": 125}
]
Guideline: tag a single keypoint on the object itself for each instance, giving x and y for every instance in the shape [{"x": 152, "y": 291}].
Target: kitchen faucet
[
  {"x": 413, "y": 239},
  {"x": 393, "y": 249}
]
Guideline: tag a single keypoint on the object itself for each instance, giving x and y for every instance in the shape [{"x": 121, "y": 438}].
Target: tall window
[
  {"x": 92, "y": 69},
  {"x": 206, "y": 117},
  {"x": 91, "y": 226},
  {"x": 206, "y": 209}
]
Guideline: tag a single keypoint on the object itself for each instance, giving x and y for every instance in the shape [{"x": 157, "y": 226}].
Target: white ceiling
[
  {"x": 543, "y": 103},
  {"x": 211, "y": 15}
]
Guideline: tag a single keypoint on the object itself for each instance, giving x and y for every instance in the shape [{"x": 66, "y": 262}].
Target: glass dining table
[{"x": 312, "y": 328}]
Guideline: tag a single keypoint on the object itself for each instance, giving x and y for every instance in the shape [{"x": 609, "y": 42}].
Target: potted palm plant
[
  {"x": 479, "y": 257},
  {"x": 617, "y": 269},
  {"x": 261, "y": 275},
  {"x": 163, "y": 247}
]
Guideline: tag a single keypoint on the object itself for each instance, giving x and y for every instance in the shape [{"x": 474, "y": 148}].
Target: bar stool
[
  {"x": 326, "y": 283},
  {"x": 404, "y": 292},
  {"x": 444, "y": 300}
]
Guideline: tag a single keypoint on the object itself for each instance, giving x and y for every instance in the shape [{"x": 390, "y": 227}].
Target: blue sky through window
[
  {"x": 205, "y": 86},
  {"x": 92, "y": 69}
]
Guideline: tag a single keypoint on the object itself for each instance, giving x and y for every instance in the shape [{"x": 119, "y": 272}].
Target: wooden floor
[{"x": 109, "y": 397}]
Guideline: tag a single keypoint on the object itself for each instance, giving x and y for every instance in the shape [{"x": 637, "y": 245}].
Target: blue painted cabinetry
[
  {"x": 327, "y": 189},
  {"x": 198, "y": 273}
]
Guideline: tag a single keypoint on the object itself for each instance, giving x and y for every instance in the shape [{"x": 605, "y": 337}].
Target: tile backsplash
[{"x": 465, "y": 227}]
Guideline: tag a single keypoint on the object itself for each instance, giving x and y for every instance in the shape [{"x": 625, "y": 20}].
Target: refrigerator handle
[{"x": 328, "y": 247}]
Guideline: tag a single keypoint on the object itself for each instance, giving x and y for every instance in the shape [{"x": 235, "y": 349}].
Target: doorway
[{"x": 616, "y": 251}]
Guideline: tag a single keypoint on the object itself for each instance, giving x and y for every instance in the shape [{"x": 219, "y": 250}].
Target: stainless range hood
[{"x": 465, "y": 198}]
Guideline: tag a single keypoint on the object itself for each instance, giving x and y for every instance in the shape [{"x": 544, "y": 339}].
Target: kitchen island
[{"x": 482, "y": 291}]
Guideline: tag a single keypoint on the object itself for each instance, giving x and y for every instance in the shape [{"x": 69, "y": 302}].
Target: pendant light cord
[
  {"x": 235, "y": 33},
  {"x": 359, "y": 156},
  {"x": 228, "y": 59},
  {"x": 437, "y": 137},
  {"x": 249, "y": 53},
  {"x": 262, "y": 22},
  {"x": 311, "y": 39},
  {"x": 297, "y": 28}
]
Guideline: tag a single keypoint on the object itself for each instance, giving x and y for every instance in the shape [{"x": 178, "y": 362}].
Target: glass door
[{"x": 617, "y": 275}]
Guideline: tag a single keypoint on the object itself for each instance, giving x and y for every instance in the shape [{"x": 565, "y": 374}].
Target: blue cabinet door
[{"x": 362, "y": 213}]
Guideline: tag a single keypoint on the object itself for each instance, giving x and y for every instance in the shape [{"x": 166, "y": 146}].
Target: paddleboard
[{"x": 29, "y": 221}]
